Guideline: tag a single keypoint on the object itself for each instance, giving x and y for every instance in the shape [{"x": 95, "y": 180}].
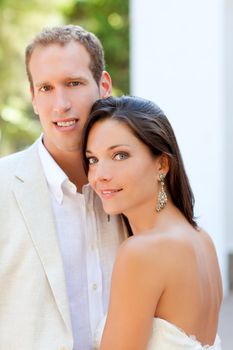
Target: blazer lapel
[{"x": 31, "y": 193}]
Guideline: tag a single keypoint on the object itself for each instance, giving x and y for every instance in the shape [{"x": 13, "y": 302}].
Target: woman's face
[{"x": 122, "y": 171}]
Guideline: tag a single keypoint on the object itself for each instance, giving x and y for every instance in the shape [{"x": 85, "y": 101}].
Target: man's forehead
[
  {"x": 73, "y": 52},
  {"x": 61, "y": 46}
]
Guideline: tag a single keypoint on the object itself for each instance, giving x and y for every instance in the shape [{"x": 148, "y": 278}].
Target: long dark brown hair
[{"x": 150, "y": 125}]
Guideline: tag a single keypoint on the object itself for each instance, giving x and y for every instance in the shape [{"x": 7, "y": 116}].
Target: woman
[{"x": 166, "y": 287}]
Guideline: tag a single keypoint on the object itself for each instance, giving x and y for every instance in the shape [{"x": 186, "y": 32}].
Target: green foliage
[
  {"x": 20, "y": 21},
  {"x": 108, "y": 19}
]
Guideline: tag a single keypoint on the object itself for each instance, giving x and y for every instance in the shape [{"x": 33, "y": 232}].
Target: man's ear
[
  {"x": 105, "y": 85},
  {"x": 33, "y": 101}
]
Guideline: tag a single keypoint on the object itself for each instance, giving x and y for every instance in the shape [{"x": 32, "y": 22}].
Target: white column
[
  {"x": 178, "y": 54},
  {"x": 228, "y": 166}
]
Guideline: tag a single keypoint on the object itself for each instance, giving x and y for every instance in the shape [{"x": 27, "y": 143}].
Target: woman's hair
[{"x": 150, "y": 125}]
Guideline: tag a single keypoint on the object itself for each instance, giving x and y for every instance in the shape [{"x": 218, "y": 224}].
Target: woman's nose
[{"x": 103, "y": 171}]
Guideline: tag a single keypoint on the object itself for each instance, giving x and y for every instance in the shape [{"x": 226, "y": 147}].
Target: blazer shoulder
[
  {"x": 15, "y": 157},
  {"x": 9, "y": 164}
]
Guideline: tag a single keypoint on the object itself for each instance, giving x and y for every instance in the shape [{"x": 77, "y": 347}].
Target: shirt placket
[{"x": 94, "y": 273}]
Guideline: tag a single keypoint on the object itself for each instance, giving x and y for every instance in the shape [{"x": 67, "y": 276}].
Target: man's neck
[{"x": 71, "y": 164}]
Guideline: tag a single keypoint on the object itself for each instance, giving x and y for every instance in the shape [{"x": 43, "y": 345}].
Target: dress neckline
[{"x": 193, "y": 338}]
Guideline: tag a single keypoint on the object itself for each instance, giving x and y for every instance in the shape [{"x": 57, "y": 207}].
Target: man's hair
[{"x": 63, "y": 35}]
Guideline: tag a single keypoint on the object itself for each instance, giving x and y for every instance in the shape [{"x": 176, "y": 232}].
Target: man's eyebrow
[
  {"x": 41, "y": 83},
  {"x": 74, "y": 77}
]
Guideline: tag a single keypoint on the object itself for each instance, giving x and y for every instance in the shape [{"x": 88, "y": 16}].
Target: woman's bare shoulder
[
  {"x": 206, "y": 237},
  {"x": 165, "y": 249},
  {"x": 151, "y": 248},
  {"x": 138, "y": 272}
]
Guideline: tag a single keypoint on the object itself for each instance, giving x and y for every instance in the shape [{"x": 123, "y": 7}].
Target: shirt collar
[{"x": 56, "y": 178}]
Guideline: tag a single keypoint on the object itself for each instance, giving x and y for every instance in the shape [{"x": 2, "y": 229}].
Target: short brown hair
[{"x": 63, "y": 35}]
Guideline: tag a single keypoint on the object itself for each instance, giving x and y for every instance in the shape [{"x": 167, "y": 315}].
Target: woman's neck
[{"x": 146, "y": 219}]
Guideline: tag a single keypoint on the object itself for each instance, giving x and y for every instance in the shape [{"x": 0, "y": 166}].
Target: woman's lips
[{"x": 109, "y": 193}]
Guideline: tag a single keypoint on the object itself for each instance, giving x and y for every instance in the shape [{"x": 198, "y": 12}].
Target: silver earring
[{"x": 162, "y": 197}]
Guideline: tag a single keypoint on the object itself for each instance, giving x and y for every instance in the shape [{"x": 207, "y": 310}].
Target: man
[{"x": 57, "y": 244}]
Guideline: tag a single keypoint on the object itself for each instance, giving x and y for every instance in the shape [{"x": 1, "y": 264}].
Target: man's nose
[{"x": 62, "y": 103}]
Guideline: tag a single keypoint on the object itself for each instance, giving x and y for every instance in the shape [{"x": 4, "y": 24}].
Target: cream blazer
[{"x": 34, "y": 311}]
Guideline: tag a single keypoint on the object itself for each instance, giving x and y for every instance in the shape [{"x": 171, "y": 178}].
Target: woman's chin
[{"x": 112, "y": 211}]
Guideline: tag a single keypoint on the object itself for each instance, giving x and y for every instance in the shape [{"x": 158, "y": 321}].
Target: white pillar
[
  {"x": 229, "y": 127},
  {"x": 178, "y": 58}
]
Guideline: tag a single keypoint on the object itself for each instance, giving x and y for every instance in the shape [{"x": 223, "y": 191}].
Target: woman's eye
[
  {"x": 121, "y": 156},
  {"x": 92, "y": 160}
]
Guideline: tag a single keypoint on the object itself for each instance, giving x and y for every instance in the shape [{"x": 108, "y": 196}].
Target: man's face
[{"x": 64, "y": 91}]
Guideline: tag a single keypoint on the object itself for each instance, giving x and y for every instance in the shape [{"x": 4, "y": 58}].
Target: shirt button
[{"x": 94, "y": 286}]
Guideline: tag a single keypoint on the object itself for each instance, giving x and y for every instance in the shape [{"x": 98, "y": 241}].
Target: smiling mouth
[
  {"x": 66, "y": 123},
  {"x": 72, "y": 122},
  {"x": 107, "y": 192}
]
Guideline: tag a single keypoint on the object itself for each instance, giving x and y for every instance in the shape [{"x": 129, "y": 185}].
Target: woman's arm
[{"x": 137, "y": 284}]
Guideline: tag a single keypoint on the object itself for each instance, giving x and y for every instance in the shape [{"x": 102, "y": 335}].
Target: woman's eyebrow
[{"x": 111, "y": 147}]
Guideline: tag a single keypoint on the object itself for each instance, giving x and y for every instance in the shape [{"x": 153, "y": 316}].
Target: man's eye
[
  {"x": 92, "y": 160},
  {"x": 74, "y": 83},
  {"x": 45, "y": 88},
  {"x": 121, "y": 156}
]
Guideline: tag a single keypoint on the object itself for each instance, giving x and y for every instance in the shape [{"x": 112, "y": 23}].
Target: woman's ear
[{"x": 163, "y": 164}]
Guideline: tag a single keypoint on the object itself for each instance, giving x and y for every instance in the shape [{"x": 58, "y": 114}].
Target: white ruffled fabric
[{"x": 165, "y": 336}]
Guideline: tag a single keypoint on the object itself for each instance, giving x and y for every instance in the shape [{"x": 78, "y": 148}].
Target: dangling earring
[{"x": 162, "y": 197}]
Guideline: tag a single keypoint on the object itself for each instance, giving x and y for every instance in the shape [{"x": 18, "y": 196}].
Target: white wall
[
  {"x": 229, "y": 119},
  {"x": 178, "y": 60}
]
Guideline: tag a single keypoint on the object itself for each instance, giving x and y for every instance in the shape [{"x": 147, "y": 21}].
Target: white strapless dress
[{"x": 165, "y": 336}]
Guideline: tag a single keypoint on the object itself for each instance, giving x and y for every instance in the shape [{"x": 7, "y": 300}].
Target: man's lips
[{"x": 64, "y": 123}]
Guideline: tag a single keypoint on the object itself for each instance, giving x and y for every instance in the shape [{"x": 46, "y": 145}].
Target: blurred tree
[
  {"x": 109, "y": 20},
  {"x": 20, "y": 21}
]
